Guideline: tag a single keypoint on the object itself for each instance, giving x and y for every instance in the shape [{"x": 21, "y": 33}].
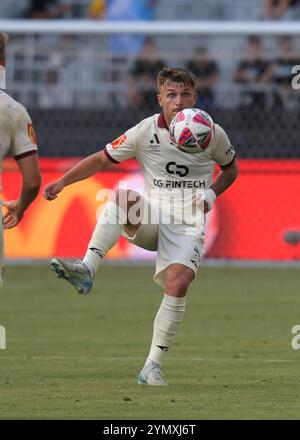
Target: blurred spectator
[
  {"x": 96, "y": 9},
  {"x": 255, "y": 73},
  {"x": 123, "y": 10},
  {"x": 141, "y": 92},
  {"x": 244, "y": 10},
  {"x": 13, "y": 8},
  {"x": 191, "y": 9},
  {"x": 48, "y": 9},
  {"x": 55, "y": 94},
  {"x": 207, "y": 71},
  {"x": 281, "y": 9},
  {"x": 288, "y": 57}
]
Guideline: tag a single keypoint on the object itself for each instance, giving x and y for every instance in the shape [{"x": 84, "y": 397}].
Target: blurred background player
[
  {"x": 180, "y": 245},
  {"x": 17, "y": 139}
]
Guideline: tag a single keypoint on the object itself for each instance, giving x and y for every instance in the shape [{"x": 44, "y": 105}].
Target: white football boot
[
  {"x": 151, "y": 375},
  {"x": 77, "y": 273}
]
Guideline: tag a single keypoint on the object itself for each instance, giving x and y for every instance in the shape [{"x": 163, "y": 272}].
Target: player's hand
[
  {"x": 206, "y": 208},
  {"x": 206, "y": 200},
  {"x": 13, "y": 214},
  {"x": 52, "y": 189},
  {"x": 201, "y": 204}
]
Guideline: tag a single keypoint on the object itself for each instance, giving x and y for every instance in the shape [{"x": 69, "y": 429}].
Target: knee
[
  {"x": 178, "y": 285},
  {"x": 126, "y": 198},
  {"x": 120, "y": 202},
  {"x": 121, "y": 197},
  {"x": 178, "y": 279}
]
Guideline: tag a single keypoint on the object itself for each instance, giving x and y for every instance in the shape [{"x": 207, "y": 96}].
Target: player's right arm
[
  {"x": 120, "y": 149},
  {"x": 84, "y": 169}
]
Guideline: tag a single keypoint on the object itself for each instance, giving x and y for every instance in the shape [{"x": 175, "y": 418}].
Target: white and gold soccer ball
[{"x": 192, "y": 130}]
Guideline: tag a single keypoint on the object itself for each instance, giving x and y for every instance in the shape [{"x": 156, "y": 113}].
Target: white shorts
[{"x": 174, "y": 243}]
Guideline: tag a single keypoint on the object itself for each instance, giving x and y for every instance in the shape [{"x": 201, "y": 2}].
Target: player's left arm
[
  {"x": 226, "y": 177},
  {"x": 224, "y": 180},
  {"x": 224, "y": 155}
]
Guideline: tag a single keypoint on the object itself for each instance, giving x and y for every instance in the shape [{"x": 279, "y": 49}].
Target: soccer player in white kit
[
  {"x": 17, "y": 139},
  {"x": 170, "y": 175}
]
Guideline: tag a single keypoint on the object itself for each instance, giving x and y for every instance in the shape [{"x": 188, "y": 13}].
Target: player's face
[{"x": 174, "y": 97}]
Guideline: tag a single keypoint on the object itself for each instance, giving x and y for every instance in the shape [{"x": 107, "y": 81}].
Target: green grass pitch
[{"x": 77, "y": 357}]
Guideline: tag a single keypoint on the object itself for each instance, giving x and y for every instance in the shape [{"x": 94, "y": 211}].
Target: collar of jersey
[{"x": 162, "y": 122}]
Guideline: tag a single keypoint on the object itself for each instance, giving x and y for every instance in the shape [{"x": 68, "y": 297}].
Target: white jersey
[
  {"x": 169, "y": 172},
  {"x": 17, "y": 136}
]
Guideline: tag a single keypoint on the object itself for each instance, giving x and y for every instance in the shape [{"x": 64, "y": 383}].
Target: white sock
[
  {"x": 105, "y": 235},
  {"x": 166, "y": 322}
]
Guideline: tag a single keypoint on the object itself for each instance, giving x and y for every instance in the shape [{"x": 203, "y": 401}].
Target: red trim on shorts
[
  {"x": 28, "y": 153},
  {"x": 161, "y": 122},
  {"x": 109, "y": 156},
  {"x": 228, "y": 165}
]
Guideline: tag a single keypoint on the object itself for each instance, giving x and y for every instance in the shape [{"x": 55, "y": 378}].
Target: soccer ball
[{"x": 191, "y": 130}]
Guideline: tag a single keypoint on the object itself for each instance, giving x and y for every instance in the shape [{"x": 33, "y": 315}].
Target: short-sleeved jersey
[
  {"x": 167, "y": 170},
  {"x": 17, "y": 136}
]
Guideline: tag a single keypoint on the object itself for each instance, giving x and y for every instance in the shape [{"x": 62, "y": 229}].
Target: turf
[{"x": 77, "y": 357}]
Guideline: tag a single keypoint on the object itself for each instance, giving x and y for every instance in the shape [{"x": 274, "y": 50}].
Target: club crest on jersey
[
  {"x": 119, "y": 141},
  {"x": 31, "y": 133}
]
